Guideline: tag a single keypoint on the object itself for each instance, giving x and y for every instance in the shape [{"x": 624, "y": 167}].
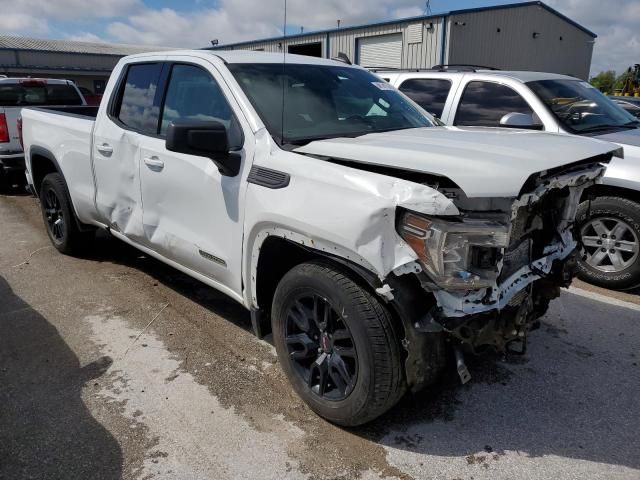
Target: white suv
[{"x": 470, "y": 97}]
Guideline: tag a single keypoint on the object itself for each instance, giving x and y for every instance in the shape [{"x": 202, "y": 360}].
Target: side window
[
  {"x": 137, "y": 109},
  {"x": 483, "y": 104},
  {"x": 192, "y": 94},
  {"x": 63, "y": 95},
  {"x": 430, "y": 93}
]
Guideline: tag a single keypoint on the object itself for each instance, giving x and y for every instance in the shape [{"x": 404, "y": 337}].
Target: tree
[
  {"x": 622, "y": 79},
  {"x": 604, "y": 81}
]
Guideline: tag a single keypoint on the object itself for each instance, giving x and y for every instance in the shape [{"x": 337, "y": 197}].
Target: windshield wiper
[
  {"x": 304, "y": 140},
  {"x": 599, "y": 128},
  {"x": 596, "y": 128}
]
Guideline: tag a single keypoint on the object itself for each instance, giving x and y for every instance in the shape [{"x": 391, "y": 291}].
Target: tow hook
[{"x": 463, "y": 372}]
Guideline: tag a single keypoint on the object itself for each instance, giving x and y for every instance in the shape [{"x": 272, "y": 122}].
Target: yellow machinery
[{"x": 631, "y": 86}]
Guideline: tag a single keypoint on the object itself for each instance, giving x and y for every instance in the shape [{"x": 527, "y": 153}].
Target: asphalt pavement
[{"x": 116, "y": 366}]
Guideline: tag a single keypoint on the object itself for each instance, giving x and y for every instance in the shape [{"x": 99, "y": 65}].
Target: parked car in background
[
  {"x": 16, "y": 93},
  {"x": 91, "y": 98},
  {"x": 630, "y": 104},
  {"x": 374, "y": 244},
  {"x": 468, "y": 97}
]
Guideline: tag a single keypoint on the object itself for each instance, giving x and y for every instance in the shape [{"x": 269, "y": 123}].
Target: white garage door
[{"x": 380, "y": 51}]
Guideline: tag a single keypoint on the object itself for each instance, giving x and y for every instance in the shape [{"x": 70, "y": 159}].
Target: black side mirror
[{"x": 205, "y": 139}]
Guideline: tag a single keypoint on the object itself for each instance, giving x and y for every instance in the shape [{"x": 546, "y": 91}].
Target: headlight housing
[{"x": 463, "y": 254}]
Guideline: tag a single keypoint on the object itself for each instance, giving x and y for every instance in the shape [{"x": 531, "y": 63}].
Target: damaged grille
[
  {"x": 534, "y": 227},
  {"x": 516, "y": 258}
]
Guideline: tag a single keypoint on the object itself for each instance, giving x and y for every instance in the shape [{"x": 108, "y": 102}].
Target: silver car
[{"x": 610, "y": 213}]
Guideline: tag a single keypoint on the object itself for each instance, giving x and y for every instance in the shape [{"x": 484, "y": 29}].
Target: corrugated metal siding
[
  {"x": 275, "y": 45},
  {"x": 7, "y": 57},
  {"x": 414, "y": 55},
  {"x": 514, "y": 48},
  {"x": 67, "y": 61}
]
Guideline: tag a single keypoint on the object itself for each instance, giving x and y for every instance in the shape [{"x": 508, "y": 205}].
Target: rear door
[
  {"x": 192, "y": 213},
  {"x": 131, "y": 116},
  {"x": 434, "y": 94}
]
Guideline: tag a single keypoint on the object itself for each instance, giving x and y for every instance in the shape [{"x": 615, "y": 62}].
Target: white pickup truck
[{"x": 372, "y": 242}]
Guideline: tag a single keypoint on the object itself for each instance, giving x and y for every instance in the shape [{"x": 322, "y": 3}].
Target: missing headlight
[
  {"x": 484, "y": 258},
  {"x": 460, "y": 254}
]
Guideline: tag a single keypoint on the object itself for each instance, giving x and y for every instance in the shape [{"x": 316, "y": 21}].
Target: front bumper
[{"x": 508, "y": 322}]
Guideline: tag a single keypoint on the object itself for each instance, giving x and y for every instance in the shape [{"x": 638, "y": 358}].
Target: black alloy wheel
[
  {"x": 54, "y": 216},
  {"x": 59, "y": 217},
  {"x": 338, "y": 345},
  {"x": 321, "y": 347}
]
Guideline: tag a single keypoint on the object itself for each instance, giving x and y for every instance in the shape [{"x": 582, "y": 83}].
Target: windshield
[
  {"x": 324, "y": 101},
  {"x": 37, "y": 93},
  {"x": 579, "y": 106}
]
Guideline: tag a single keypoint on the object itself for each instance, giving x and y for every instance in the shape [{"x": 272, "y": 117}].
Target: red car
[{"x": 90, "y": 97}]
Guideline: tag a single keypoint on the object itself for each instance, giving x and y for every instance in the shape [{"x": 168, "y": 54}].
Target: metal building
[
  {"x": 88, "y": 64},
  {"x": 521, "y": 36}
]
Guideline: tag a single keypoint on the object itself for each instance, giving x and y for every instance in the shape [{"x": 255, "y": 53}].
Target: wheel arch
[
  {"x": 277, "y": 251},
  {"x": 603, "y": 190},
  {"x": 276, "y": 254},
  {"x": 41, "y": 163}
]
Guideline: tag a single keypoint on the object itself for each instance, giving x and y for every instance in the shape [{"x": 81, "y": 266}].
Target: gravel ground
[{"x": 116, "y": 366}]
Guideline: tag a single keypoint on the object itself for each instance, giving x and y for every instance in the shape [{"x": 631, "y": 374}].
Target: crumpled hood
[{"x": 484, "y": 162}]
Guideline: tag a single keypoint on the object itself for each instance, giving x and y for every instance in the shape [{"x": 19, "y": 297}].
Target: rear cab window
[
  {"x": 430, "y": 93},
  {"x": 138, "y": 103},
  {"x": 483, "y": 104},
  {"x": 38, "y": 92}
]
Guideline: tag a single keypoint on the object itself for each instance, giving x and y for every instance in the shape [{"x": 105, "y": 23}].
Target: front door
[{"x": 192, "y": 214}]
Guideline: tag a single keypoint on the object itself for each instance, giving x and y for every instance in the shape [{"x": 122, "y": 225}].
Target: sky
[{"x": 194, "y": 23}]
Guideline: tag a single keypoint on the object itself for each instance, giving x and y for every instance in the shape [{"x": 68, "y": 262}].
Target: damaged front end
[{"x": 494, "y": 268}]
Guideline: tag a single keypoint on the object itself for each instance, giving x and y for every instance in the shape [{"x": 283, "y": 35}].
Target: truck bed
[
  {"x": 66, "y": 135},
  {"x": 77, "y": 111}
]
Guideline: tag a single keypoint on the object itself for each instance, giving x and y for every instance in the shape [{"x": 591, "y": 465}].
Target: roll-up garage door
[{"x": 380, "y": 51}]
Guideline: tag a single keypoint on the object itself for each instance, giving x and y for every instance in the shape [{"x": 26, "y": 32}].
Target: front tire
[
  {"x": 337, "y": 344},
  {"x": 59, "y": 217},
  {"x": 610, "y": 232}
]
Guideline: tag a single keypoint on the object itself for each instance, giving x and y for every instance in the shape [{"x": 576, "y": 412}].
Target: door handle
[
  {"x": 154, "y": 162},
  {"x": 105, "y": 149}
]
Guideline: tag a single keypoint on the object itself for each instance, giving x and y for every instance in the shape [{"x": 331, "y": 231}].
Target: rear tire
[
  {"x": 610, "y": 228},
  {"x": 358, "y": 349},
  {"x": 59, "y": 217}
]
